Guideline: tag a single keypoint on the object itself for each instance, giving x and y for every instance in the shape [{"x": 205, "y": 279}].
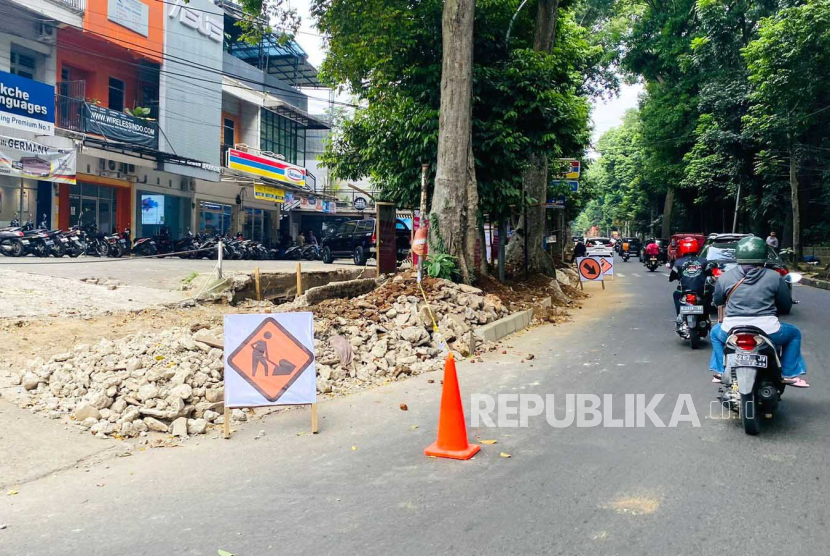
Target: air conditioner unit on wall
[{"x": 46, "y": 32}]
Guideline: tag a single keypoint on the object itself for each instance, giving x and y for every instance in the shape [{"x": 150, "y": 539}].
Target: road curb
[
  {"x": 821, "y": 284},
  {"x": 510, "y": 324}
]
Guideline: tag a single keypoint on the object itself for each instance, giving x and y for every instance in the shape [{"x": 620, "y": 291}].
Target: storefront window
[
  {"x": 214, "y": 218},
  {"x": 156, "y": 211},
  {"x": 282, "y": 136},
  {"x": 93, "y": 205},
  {"x": 257, "y": 225}
]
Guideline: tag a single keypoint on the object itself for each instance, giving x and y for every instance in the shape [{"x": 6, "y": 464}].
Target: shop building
[
  {"x": 264, "y": 122},
  {"x": 28, "y": 62}
]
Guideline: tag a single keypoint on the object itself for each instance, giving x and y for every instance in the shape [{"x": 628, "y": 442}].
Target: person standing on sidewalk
[{"x": 772, "y": 241}]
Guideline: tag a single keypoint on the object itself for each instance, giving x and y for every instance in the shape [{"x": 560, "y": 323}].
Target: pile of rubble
[
  {"x": 391, "y": 331},
  {"x": 172, "y": 381},
  {"x": 168, "y": 381}
]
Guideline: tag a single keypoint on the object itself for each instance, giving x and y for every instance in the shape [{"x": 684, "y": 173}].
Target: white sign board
[
  {"x": 269, "y": 360},
  {"x": 132, "y": 14}
]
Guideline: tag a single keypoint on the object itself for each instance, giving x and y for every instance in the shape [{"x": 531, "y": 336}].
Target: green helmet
[{"x": 751, "y": 250}]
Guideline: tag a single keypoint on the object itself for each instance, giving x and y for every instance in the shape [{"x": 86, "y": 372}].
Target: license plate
[
  {"x": 24, "y": 241},
  {"x": 64, "y": 240},
  {"x": 746, "y": 360},
  {"x": 49, "y": 242},
  {"x": 691, "y": 309}
]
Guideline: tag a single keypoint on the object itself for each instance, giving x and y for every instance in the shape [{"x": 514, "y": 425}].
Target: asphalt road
[{"x": 363, "y": 486}]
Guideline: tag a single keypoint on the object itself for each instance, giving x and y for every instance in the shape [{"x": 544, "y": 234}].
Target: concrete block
[{"x": 497, "y": 330}]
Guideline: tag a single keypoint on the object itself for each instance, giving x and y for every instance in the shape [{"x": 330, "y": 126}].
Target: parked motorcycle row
[{"x": 19, "y": 241}]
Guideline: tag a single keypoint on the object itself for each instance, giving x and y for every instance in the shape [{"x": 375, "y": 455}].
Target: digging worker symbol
[{"x": 259, "y": 356}]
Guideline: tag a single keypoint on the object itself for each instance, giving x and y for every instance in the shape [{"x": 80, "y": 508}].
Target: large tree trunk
[
  {"x": 452, "y": 219},
  {"x": 667, "y": 210},
  {"x": 795, "y": 205},
  {"x": 535, "y": 178},
  {"x": 534, "y": 182}
]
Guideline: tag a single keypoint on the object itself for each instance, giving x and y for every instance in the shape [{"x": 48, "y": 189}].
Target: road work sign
[
  {"x": 589, "y": 269},
  {"x": 594, "y": 269},
  {"x": 269, "y": 360},
  {"x": 606, "y": 264}
]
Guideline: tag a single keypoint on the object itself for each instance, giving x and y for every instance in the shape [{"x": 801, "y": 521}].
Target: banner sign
[
  {"x": 270, "y": 193},
  {"x": 26, "y": 159},
  {"x": 266, "y": 167},
  {"x": 119, "y": 126},
  {"x": 132, "y": 14},
  {"x": 572, "y": 168},
  {"x": 269, "y": 360},
  {"x": 27, "y": 104}
]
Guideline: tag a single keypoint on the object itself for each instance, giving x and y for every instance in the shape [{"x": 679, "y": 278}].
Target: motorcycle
[
  {"x": 312, "y": 252},
  {"x": 13, "y": 243},
  {"x": 626, "y": 254},
  {"x": 117, "y": 246},
  {"x": 693, "y": 323},
  {"x": 752, "y": 383},
  {"x": 76, "y": 242},
  {"x": 96, "y": 245},
  {"x": 652, "y": 262}
]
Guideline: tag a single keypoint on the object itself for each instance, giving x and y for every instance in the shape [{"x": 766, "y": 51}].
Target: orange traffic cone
[{"x": 452, "y": 430}]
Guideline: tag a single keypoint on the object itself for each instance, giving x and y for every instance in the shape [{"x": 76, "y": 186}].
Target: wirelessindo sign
[
  {"x": 27, "y": 104},
  {"x": 119, "y": 126}
]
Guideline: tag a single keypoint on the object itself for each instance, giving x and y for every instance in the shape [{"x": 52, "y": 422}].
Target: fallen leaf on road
[
  {"x": 404, "y": 407},
  {"x": 354, "y": 448},
  {"x": 488, "y": 441},
  {"x": 224, "y": 553},
  {"x": 430, "y": 381},
  {"x": 413, "y": 427},
  {"x": 505, "y": 455},
  {"x": 100, "y": 484},
  {"x": 13, "y": 491}
]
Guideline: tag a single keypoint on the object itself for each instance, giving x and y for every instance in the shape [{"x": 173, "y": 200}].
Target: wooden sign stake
[
  {"x": 299, "y": 279},
  {"x": 226, "y": 424},
  {"x": 257, "y": 283},
  {"x": 314, "y": 422}
]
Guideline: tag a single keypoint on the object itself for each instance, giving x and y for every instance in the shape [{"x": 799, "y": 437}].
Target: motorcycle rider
[
  {"x": 652, "y": 250},
  {"x": 755, "y": 296},
  {"x": 689, "y": 269}
]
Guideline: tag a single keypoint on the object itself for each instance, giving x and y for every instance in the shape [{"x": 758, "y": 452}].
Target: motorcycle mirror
[{"x": 794, "y": 277}]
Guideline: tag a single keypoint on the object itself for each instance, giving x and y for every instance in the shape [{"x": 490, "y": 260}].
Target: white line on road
[
  {"x": 621, "y": 275},
  {"x": 637, "y": 275}
]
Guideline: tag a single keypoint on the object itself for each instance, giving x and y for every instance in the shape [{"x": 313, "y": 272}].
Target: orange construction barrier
[{"x": 452, "y": 430}]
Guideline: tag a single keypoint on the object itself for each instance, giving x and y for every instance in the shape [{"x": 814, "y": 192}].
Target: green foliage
[
  {"x": 441, "y": 266},
  {"x": 732, "y": 87},
  {"x": 388, "y": 54}
]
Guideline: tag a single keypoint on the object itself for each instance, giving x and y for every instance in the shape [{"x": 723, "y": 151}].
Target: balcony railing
[
  {"x": 75, "y": 114},
  {"x": 78, "y": 6}
]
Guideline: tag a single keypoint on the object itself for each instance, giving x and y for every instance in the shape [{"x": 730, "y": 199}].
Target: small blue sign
[
  {"x": 572, "y": 184},
  {"x": 27, "y": 104},
  {"x": 556, "y": 202}
]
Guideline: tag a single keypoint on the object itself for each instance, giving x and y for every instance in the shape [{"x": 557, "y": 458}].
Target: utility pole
[{"x": 737, "y": 203}]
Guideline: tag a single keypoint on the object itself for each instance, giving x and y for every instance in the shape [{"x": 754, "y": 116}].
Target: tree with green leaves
[
  {"x": 525, "y": 101},
  {"x": 790, "y": 95}
]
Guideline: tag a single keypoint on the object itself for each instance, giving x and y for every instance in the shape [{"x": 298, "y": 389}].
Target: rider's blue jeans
[{"x": 789, "y": 338}]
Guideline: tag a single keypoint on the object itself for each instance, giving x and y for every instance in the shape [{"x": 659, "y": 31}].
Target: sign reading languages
[
  {"x": 26, "y": 104},
  {"x": 26, "y": 159}
]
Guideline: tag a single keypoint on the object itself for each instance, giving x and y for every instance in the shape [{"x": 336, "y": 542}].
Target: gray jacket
[{"x": 764, "y": 292}]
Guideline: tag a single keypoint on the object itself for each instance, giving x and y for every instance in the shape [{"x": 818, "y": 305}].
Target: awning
[{"x": 270, "y": 102}]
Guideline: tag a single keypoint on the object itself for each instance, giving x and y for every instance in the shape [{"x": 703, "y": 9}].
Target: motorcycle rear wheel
[
  {"x": 694, "y": 338},
  {"x": 750, "y": 416},
  {"x": 102, "y": 249}
]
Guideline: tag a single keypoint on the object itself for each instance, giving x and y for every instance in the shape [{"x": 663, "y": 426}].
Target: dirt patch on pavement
[{"x": 34, "y": 295}]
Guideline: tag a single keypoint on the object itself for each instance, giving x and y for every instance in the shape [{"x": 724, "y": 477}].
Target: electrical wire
[{"x": 170, "y": 57}]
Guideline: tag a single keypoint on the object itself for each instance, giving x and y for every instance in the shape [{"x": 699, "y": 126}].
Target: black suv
[{"x": 358, "y": 239}]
